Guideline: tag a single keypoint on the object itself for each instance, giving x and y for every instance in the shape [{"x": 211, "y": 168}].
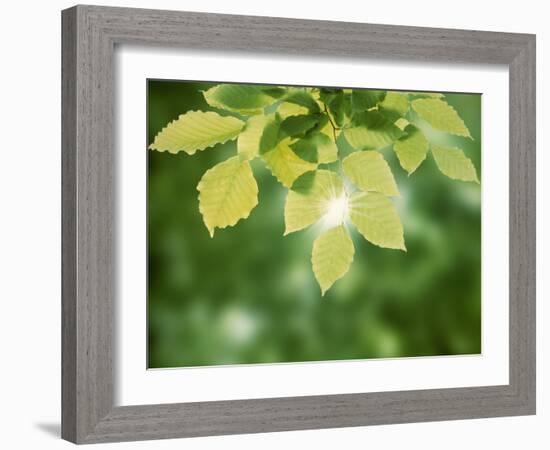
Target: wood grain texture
[
  {"x": 90, "y": 34},
  {"x": 68, "y": 226}
]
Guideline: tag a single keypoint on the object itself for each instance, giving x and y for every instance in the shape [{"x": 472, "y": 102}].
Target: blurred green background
[{"x": 249, "y": 295}]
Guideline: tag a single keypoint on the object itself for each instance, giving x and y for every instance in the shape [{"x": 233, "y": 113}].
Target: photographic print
[{"x": 305, "y": 223}]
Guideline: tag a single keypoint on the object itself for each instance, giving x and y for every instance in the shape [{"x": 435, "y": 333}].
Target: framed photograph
[{"x": 268, "y": 230}]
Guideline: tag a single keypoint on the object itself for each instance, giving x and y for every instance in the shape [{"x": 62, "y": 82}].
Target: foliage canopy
[{"x": 298, "y": 133}]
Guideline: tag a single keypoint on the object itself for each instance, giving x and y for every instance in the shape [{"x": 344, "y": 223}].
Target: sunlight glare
[{"x": 337, "y": 211}]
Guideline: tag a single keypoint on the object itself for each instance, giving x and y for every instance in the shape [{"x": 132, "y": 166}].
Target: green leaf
[
  {"x": 285, "y": 165},
  {"x": 376, "y": 218},
  {"x": 274, "y": 91},
  {"x": 326, "y": 95},
  {"x": 441, "y": 116},
  {"x": 270, "y": 136},
  {"x": 196, "y": 130},
  {"x": 304, "y": 98},
  {"x": 227, "y": 193},
  {"x": 369, "y": 171},
  {"x": 395, "y": 105},
  {"x": 361, "y": 100},
  {"x": 453, "y": 163},
  {"x": 322, "y": 124},
  {"x": 309, "y": 199},
  {"x": 371, "y": 131},
  {"x": 298, "y": 125},
  {"x": 316, "y": 147},
  {"x": 241, "y": 98},
  {"x": 248, "y": 142},
  {"x": 411, "y": 149},
  {"x": 331, "y": 256},
  {"x": 339, "y": 107}
]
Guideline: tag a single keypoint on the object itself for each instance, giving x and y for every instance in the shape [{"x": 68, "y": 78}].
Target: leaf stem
[{"x": 334, "y": 128}]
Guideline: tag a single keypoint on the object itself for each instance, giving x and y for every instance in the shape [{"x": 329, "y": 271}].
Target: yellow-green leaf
[
  {"x": 376, "y": 218},
  {"x": 227, "y": 193},
  {"x": 330, "y": 132},
  {"x": 420, "y": 94},
  {"x": 369, "y": 171},
  {"x": 310, "y": 198},
  {"x": 411, "y": 149},
  {"x": 401, "y": 123},
  {"x": 244, "y": 99},
  {"x": 371, "y": 131},
  {"x": 248, "y": 142},
  {"x": 196, "y": 130},
  {"x": 331, "y": 256},
  {"x": 287, "y": 109},
  {"x": 441, "y": 116},
  {"x": 395, "y": 104},
  {"x": 453, "y": 163},
  {"x": 285, "y": 165},
  {"x": 327, "y": 151}
]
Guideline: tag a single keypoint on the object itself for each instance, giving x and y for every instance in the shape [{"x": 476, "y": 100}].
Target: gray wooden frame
[{"x": 89, "y": 37}]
